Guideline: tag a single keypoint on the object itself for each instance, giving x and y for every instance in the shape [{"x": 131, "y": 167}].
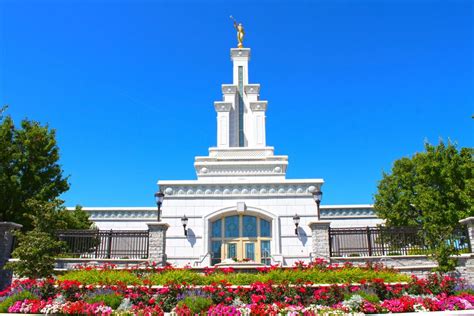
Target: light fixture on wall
[
  {"x": 296, "y": 220},
  {"x": 159, "y": 196},
  {"x": 318, "y": 196},
  {"x": 184, "y": 221}
]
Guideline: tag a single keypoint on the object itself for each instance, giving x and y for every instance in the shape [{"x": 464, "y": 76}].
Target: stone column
[
  {"x": 6, "y": 247},
  {"x": 320, "y": 239},
  {"x": 157, "y": 242},
  {"x": 469, "y": 222}
]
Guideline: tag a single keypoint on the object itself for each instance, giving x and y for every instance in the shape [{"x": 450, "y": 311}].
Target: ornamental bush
[
  {"x": 313, "y": 274},
  {"x": 196, "y": 304},
  {"x": 36, "y": 254}
]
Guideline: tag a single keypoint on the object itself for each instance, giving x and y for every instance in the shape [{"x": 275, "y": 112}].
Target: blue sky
[{"x": 129, "y": 86}]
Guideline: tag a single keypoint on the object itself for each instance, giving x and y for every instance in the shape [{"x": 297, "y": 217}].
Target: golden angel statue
[{"x": 240, "y": 32}]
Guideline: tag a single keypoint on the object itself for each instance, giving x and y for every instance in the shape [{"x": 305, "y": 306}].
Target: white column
[
  {"x": 223, "y": 111},
  {"x": 240, "y": 57},
  {"x": 257, "y": 137}
]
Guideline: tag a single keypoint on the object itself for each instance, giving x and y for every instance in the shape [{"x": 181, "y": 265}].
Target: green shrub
[
  {"x": 36, "y": 252},
  {"x": 277, "y": 276},
  {"x": 106, "y": 277},
  {"x": 196, "y": 304},
  {"x": 372, "y": 298},
  {"x": 418, "y": 251},
  {"x": 112, "y": 300},
  {"x": 178, "y": 276},
  {"x": 9, "y": 301}
]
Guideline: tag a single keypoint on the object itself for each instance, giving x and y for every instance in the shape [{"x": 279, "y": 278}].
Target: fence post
[
  {"x": 157, "y": 242},
  {"x": 469, "y": 222},
  {"x": 320, "y": 239},
  {"x": 6, "y": 248},
  {"x": 109, "y": 244},
  {"x": 369, "y": 241}
]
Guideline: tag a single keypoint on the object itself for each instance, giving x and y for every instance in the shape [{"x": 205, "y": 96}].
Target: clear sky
[{"x": 129, "y": 86}]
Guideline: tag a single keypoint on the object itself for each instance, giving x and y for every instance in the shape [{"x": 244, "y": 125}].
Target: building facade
[{"x": 241, "y": 206}]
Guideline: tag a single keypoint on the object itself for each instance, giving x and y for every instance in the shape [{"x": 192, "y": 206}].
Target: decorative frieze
[
  {"x": 235, "y": 170},
  {"x": 252, "y": 89},
  {"x": 242, "y": 153},
  {"x": 150, "y": 213},
  {"x": 222, "y": 106},
  {"x": 229, "y": 89},
  {"x": 258, "y": 106},
  {"x": 247, "y": 189},
  {"x": 338, "y": 212},
  {"x": 240, "y": 52}
]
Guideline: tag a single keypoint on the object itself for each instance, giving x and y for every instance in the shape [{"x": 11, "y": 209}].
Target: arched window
[{"x": 241, "y": 238}]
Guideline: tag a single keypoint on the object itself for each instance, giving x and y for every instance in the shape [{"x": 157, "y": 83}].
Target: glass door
[
  {"x": 240, "y": 238},
  {"x": 249, "y": 251},
  {"x": 232, "y": 250}
]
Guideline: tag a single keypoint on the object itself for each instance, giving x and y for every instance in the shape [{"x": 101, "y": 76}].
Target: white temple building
[{"x": 241, "y": 205}]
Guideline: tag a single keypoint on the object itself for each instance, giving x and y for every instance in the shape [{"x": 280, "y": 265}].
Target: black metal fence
[
  {"x": 106, "y": 244},
  {"x": 384, "y": 241}
]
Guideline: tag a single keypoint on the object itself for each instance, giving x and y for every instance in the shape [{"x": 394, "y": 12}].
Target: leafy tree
[
  {"x": 31, "y": 180},
  {"x": 51, "y": 216},
  {"x": 433, "y": 189},
  {"x": 29, "y": 169}
]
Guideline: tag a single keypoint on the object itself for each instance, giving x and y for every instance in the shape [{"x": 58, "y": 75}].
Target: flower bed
[
  {"x": 318, "y": 272},
  {"x": 371, "y": 296}
]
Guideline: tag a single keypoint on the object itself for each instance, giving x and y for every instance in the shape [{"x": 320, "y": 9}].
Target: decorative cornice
[
  {"x": 242, "y": 153},
  {"x": 252, "y": 89},
  {"x": 238, "y": 189},
  {"x": 206, "y": 169},
  {"x": 347, "y": 212},
  {"x": 229, "y": 89},
  {"x": 222, "y": 106},
  {"x": 240, "y": 53},
  {"x": 149, "y": 213},
  {"x": 258, "y": 106}
]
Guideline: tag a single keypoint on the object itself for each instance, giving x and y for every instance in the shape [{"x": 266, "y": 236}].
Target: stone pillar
[
  {"x": 6, "y": 247},
  {"x": 320, "y": 239},
  {"x": 469, "y": 222},
  {"x": 157, "y": 242}
]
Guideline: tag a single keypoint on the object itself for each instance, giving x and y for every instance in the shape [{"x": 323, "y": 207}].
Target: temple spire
[{"x": 241, "y": 115}]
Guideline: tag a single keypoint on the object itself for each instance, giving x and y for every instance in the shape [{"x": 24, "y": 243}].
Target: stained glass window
[
  {"x": 265, "y": 230},
  {"x": 249, "y": 226},
  {"x": 216, "y": 252},
  {"x": 217, "y": 228},
  {"x": 232, "y": 226}
]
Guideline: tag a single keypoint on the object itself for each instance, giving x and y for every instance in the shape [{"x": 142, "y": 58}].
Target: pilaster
[
  {"x": 469, "y": 222},
  {"x": 223, "y": 118},
  {"x": 157, "y": 242},
  {"x": 6, "y": 247},
  {"x": 320, "y": 239}
]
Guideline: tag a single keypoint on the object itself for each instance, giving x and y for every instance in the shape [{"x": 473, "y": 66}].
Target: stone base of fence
[
  {"x": 64, "y": 264},
  {"x": 320, "y": 239},
  {"x": 157, "y": 242}
]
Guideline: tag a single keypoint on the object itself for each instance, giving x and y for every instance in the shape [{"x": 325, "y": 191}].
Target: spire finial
[{"x": 240, "y": 32}]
